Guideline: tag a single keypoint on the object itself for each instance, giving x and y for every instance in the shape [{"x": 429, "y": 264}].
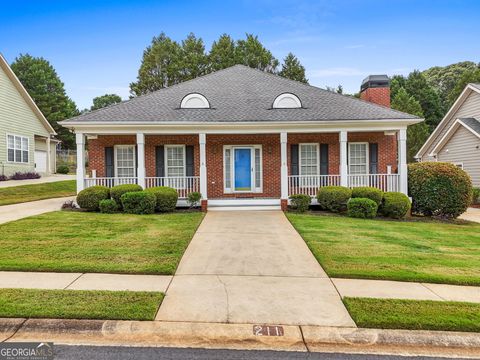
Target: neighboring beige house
[
  {"x": 457, "y": 138},
  {"x": 26, "y": 142}
]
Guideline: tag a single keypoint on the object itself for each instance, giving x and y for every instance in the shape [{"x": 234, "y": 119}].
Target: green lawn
[
  {"x": 25, "y": 193},
  {"x": 75, "y": 304},
  {"x": 69, "y": 241},
  {"x": 428, "y": 251},
  {"x": 414, "y": 314}
]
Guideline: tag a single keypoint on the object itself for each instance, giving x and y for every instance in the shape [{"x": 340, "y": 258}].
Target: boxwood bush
[
  {"x": 476, "y": 196},
  {"x": 368, "y": 192},
  {"x": 362, "y": 208},
  {"x": 334, "y": 198},
  {"x": 194, "y": 198},
  {"x": 108, "y": 206},
  {"x": 63, "y": 169},
  {"x": 439, "y": 189},
  {"x": 166, "y": 198},
  {"x": 116, "y": 192},
  {"x": 138, "y": 202},
  {"x": 300, "y": 202},
  {"x": 90, "y": 198},
  {"x": 395, "y": 205}
]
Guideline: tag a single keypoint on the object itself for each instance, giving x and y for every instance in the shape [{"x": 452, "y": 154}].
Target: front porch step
[{"x": 244, "y": 208}]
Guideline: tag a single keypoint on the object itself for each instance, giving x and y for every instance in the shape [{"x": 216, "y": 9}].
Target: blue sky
[{"x": 96, "y": 46}]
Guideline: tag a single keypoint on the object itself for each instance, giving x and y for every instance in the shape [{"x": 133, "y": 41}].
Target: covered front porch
[{"x": 243, "y": 168}]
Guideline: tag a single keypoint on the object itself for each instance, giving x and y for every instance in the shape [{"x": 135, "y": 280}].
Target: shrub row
[
  {"x": 21, "y": 176},
  {"x": 130, "y": 198}
]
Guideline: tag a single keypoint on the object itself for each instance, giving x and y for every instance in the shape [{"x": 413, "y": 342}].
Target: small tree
[
  {"x": 292, "y": 69},
  {"x": 105, "y": 100}
]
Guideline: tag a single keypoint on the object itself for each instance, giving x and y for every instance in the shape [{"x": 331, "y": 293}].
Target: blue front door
[{"x": 243, "y": 166}]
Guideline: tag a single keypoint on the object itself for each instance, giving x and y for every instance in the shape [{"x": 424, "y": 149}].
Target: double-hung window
[
  {"x": 358, "y": 158},
  {"x": 125, "y": 161},
  {"x": 17, "y": 148},
  {"x": 175, "y": 160},
  {"x": 309, "y": 159}
]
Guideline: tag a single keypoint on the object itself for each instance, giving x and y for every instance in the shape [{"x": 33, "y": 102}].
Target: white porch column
[
  {"x": 343, "y": 158},
  {"x": 80, "y": 139},
  {"x": 402, "y": 161},
  {"x": 141, "y": 159},
  {"x": 202, "y": 139},
  {"x": 49, "y": 161},
  {"x": 284, "y": 165}
]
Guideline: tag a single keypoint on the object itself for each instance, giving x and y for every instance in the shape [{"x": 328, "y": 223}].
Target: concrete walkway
[
  {"x": 251, "y": 267},
  {"x": 42, "y": 180},
  {"x": 23, "y": 210},
  {"x": 472, "y": 214}
]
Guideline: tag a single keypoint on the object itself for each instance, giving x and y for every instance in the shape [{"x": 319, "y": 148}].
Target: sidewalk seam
[
  {"x": 433, "y": 292},
  {"x": 303, "y": 339},
  {"x": 16, "y": 331},
  {"x": 71, "y": 283},
  {"x": 226, "y": 296}
]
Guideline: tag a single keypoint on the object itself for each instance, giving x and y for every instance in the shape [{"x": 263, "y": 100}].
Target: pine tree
[
  {"x": 252, "y": 53},
  {"x": 222, "y": 53},
  {"x": 292, "y": 69},
  {"x": 47, "y": 90},
  {"x": 193, "y": 58}
]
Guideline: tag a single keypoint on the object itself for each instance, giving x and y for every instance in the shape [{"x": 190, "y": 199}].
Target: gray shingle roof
[
  {"x": 472, "y": 123},
  {"x": 240, "y": 93}
]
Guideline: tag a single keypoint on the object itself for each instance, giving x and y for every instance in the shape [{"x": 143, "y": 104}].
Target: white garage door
[{"x": 40, "y": 161}]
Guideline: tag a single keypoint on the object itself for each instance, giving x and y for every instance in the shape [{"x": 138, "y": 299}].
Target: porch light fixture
[
  {"x": 194, "y": 101},
  {"x": 287, "y": 101}
]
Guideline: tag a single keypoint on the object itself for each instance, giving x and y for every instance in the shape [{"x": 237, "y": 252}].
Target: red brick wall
[
  {"x": 270, "y": 163},
  {"x": 380, "y": 95}
]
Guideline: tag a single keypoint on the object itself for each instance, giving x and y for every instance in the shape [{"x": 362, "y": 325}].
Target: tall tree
[
  {"x": 292, "y": 69},
  {"x": 105, "y": 100},
  {"x": 396, "y": 82},
  {"x": 222, "y": 53},
  {"x": 416, "y": 134},
  {"x": 193, "y": 58},
  {"x": 251, "y": 52},
  {"x": 47, "y": 90},
  {"x": 160, "y": 66},
  {"x": 471, "y": 76},
  {"x": 416, "y": 85}
]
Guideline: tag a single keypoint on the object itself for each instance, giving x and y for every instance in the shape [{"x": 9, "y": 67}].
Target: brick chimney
[{"x": 376, "y": 89}]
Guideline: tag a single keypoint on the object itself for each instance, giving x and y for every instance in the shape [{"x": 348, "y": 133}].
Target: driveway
[
  {"x": 42, "y": 180},
  {"x": 23, "y": 210},
  {"x": 251, "y": 267},
  {"x": 472, "y": 214}
]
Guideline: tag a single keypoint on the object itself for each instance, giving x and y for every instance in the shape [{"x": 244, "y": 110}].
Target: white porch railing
[
  {"x": 384, "y": 182},
  {"x": 309, "y": 184},
  {"x": 109, "y": 181},
  {"x": 183, "y": 184}
]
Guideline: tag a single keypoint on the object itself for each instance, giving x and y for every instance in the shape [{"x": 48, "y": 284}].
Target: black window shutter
[
  {"x": 373, "y": 150},
  {"x": 189, "y": 170},
  {"x": 109, "y": 162},
  {"x": 294, "y": 159},
  {"x": 159, "y": 161},
  {"x": 323, "y": 159}
]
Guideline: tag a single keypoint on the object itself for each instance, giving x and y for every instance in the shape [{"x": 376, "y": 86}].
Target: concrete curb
[{"x": 241, "y": 336}]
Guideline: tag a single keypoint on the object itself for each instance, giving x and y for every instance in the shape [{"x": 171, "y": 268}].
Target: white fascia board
[
  {"x": 449, "y": 134},
  {"x": 453, "y": 109}
]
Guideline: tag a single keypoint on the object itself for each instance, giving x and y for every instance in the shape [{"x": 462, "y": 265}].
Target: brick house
[{"x": 244, "y": 137}]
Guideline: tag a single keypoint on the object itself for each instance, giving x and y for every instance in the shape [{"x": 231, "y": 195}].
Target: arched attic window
[
  {"x": 194, "y": 101},
  {"x": 287, "y": 101}
]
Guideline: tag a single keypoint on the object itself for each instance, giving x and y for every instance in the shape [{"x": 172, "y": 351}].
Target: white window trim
[
  {"x": 253, "y": 189},
  {"x": 165, "y": 161},
  {"x": 277, "y": 103},
  {"x": 367, "y": 156},
  {"x": 300, "y": 158},
  {"x": 115, "y": 148},
  {"x": 21, "y": 141},
  {"x": 185, "y": 101}
]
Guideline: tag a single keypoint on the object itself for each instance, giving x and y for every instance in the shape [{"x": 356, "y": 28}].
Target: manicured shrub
[
  {"x": 362, "y": 208},
  {"x": 368, "y": 192},
  {"x": 3, "y": 177},
  {"x": 116, "y": 192},
  {"x": 90, "y": 198},
  {"x": 108, "y": 206},
  {"x": 300, "y": 202},
  {"x": 475, "y": 196},
  {"x": 25, "y": 175},
  {"x": 395, "y": 205},
  {"x": 439, "y": 189},
  {"x": 166, "y": 198},
  {"x": 194, "y": 198},
  {"x": 334, "y": 198},
  {"x": 63, "y": 169},
  {"x": 138, "y": 202}
]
